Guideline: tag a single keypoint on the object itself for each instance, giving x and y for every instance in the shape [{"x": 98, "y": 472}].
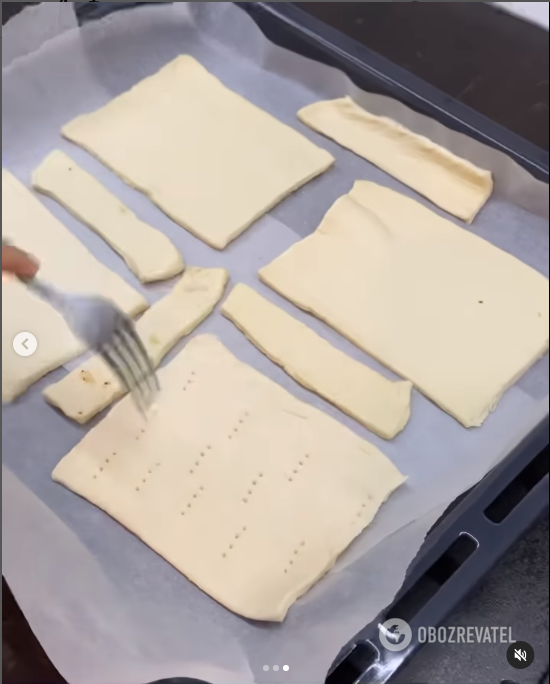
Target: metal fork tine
[
  {"x": 137, "y": 354},
  {"x": 116, "y": 364},
  {"x": 106, "y": 329},
  {"x": 131, "y": 332},
  {"x": 125, "y": 371},
  {"x": 128, "y": 360},
  {"x": 134, "y": 357},
  {"x": 150, "y": 374}
]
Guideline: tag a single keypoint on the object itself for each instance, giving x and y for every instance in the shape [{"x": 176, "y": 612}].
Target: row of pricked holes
[
  {"x": 362, "y": 510},
  {"x": 296, "y": 471},
  {"x": 249, "y": 492},
  {"x": 189, "y": 381},
  {"x": 238, "y": 535},
  {"x": 209, "y": 448},
  {"x": 295, "y": 553},
  {"x": 201, "y": 489},
  {"x": 202, "y": 453}
]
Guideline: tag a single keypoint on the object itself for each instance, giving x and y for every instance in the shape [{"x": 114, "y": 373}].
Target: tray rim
[
  {"x": 466, "y": 517},
  {"x": 361, "y": 63}
]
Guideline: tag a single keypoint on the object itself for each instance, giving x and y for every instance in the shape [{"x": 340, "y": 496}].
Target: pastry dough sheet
[
  {"x": 23, "y": 312},
  {"x": 87, "y": 390},
  {"x": 210, "y": 159},
  {"x": 148, "y": 253},
  {"x": 454, "y": 184},
  {"x": 450, "y": 312},
  {"x": 377, "y": 403},
  {"x": 66, "y": 263},
  {"x": 254, "y": 522}
]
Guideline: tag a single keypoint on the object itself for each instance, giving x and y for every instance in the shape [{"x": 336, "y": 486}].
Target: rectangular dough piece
[
  {"x": 148, "y": 253},
  {"x": 438, "y": 305},
  {"x": 377, "y": 403},
  {"x": 247, "y": 491},
  {"x": 452, "y": 183},
  {"x": 210, "y": 159},
  {"x": 66, "y": 263},
  {"x": 87, "y": 390}
]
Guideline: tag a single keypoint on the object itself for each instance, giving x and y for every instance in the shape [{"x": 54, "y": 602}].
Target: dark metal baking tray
[
  {"x": 479, "y": 528},
  {"x": 295, "y": 30}
]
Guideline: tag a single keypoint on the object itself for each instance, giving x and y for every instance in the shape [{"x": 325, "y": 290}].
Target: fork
[{"x": 109, "y": 332}]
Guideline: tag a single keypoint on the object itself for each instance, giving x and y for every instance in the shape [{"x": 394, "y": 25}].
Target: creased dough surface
[
  {"x": 148, "y": 253},
  {"x": 210, "y": 159},
  {"x": 87, "y": 390},
  {"x": 247, "y": 491},
  {"x": 454, "y": 314},
  {"x": 66, "y": 263},
  {"x": 379, "y": 404},
  {"x": 454, "y": 184}
]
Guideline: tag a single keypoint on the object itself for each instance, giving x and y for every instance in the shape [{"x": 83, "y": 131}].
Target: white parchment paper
[{"x": 105, "y": 607}]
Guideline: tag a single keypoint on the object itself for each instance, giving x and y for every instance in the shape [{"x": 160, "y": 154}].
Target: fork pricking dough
[
  {"x": 64, "y": 262},
  {"x": 87, "y": 390}
]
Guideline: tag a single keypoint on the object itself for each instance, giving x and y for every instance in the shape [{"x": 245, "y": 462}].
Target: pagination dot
[{"x": 276, "y": 668}]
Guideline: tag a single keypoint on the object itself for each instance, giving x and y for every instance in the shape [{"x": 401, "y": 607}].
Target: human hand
[{"x": 18, "y": 263}]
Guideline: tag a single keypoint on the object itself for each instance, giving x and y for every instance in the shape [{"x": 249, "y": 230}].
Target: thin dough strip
[
  {"x": 148, "y": 253},
  {"x": 452, "y": 183},
  {"x": 377, "y": 403},
  {"x": 87, "y": 390}
]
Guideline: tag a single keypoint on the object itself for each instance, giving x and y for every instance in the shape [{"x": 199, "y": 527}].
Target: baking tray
[
  {"x": 294, "y": 29},
  {"x": 106, "y": 601},
  {"x": 479, "y": 528}
]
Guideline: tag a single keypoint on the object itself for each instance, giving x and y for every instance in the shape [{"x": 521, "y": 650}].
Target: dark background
[
  {"x": 480, "y": 55},
  {"x": 498, "y": 65}
]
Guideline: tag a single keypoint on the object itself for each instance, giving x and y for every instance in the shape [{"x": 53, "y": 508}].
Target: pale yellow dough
[
  {"x": 454, "y": 184},
  {"x": 379, "y": 404},
  {"x": 210, "y": 159},
  {"x": 23, "y": 312},
  {"x": 247, "y": 491},
  {"x": 148, "y": 253},
  {"x": 64, "y": 262},
  {"x": 438, "y": 305},
  {"x": 87, "y": 390}
]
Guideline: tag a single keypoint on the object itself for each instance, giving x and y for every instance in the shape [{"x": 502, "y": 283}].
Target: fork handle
[{"x": 45, "y": 292}]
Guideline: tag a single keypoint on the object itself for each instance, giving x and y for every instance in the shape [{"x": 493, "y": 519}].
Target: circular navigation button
[{"x": 25, "y": 344}]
